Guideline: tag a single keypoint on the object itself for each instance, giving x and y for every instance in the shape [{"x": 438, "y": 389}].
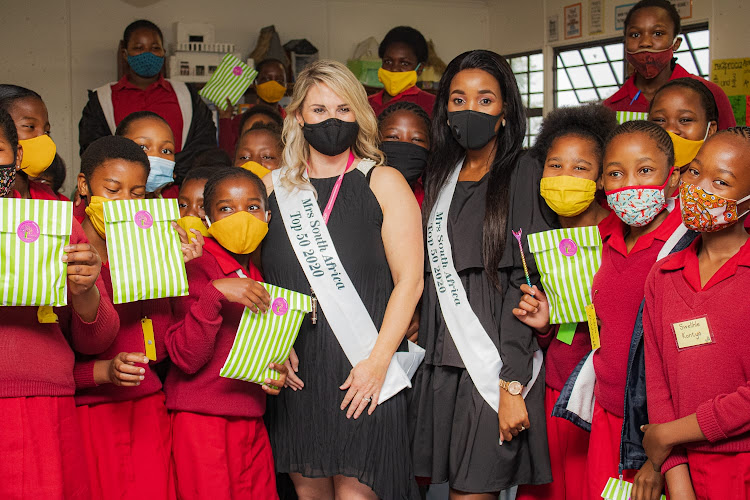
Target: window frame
[{"x": 530, "y": 112}]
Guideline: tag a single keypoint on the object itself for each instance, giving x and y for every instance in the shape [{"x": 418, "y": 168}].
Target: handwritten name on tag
[{"x": 692, "y": 333}]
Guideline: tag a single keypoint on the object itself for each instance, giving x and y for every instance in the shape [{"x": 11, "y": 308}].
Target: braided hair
[
  {"x": 224, "y": 174},
  {"x": 406, "y": 106},
  {"x": 649, "y": 129}
]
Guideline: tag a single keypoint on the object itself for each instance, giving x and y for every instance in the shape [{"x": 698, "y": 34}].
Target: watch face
[{"x": 515, "y": 388}]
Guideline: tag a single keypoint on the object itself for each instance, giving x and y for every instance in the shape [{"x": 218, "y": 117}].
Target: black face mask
[
  {"x": 331, "y": 137},
  {"x": 408, "y": 158},
  {"x": 472, "y": 129}
]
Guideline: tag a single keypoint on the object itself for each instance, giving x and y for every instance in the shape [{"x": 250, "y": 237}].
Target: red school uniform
[
  {"x": 617, "y": 293},
  {"x": 711, "y": 379},
  {"x": 423, "y": 99},
  {"x": 629, "y": 98},
  {"x": 568, "y": 443},
  {"x": 158, "y": 97},
  {"x": 126, "y": 430},
  {"x": 40, "y": 440},
  {"x": 220, "y": 445}
]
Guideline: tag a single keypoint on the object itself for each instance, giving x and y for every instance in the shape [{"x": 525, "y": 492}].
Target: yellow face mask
[
  {"x": 685, "y": 150},
  {"x": 192, "y": 222},
  {"x": 396, "y": 82},
  {"x": 256, "y": 168},
  {"x": 95, "y": 211},
  {"x": 38, "y": 154},
  {"x": 240, "y": 233},
  {"x": 568, "y": 196},
  {"x": 270, "y": 91}
]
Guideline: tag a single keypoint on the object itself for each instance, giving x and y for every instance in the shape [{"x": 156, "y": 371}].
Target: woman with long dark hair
[{"x": 478, "y": 399}]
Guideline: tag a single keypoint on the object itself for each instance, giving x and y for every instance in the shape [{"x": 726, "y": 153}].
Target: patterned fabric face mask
[
  {"x": 707, "y": 212},
  {"x": 636, "y": 206}
]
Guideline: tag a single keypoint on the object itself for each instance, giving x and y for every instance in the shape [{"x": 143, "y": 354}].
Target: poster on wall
[
  {"x": 684, "y": 8},
  {"x": 596, "y": 17},
  {"x": 572, "y": 18},
  {"x": 621, "y": 12},
  {"x": 733, "y": 76},
  {"x": 553, "y": 28}
]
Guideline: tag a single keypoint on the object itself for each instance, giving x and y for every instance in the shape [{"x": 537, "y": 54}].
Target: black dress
[
  {"x": 454, "y": 431},
  {"x": 309, "y": 433}
]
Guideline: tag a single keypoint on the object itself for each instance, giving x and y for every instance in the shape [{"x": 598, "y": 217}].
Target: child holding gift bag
[
  {"x": 571, "y": 144},
  {"x": 120, "y": 402},
  {"x": 40, "y": 440},
  {"x": 699, "y": 434},
  {"x": 220, "y": 444}
]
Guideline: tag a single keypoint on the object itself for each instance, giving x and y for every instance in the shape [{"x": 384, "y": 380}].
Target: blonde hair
[{"x": 345, "y": 85}]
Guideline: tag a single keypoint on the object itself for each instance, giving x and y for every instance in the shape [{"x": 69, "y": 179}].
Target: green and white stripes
[
  {"x": 266, "y": 338},
  {"x": 617, "y": 489},
  {"x": 145, "y": 258},
  {"x": 231, "y": 79},
  {"x": 33, "y": 234},
  {"x": 626, "y": 116},
  {"x": 567, "y": 260}
]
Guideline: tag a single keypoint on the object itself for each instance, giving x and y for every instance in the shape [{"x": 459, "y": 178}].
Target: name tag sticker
[
  {"x": 593, "y": 327},
  {"x": 692, "y": 333}
]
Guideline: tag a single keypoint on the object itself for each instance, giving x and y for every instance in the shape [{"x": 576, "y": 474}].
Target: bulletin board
[{"x": 733, "y": 76}]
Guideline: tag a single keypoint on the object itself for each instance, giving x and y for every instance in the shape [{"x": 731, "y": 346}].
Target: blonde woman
[{"x": 329, "y": 432}]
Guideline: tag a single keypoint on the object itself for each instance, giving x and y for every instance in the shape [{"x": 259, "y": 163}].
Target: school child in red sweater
[
  {"x": 259, "y": 149},
  {"x": 40, "y": 440},
  {"x": 638, "y": 175},
  {"x": 121, "y": 407},
  {"x": 695, "y": 319},
  {"x": 220, "y": 445},
  {"x": 571, "y": 144}
]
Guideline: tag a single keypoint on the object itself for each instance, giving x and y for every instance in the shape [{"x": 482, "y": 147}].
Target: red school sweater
[
  {"x": 198, "y": 345},
  {"x": 36, "y": 359},
  {"x": 129, "y": 339},
  {"x": 711, "y": 380},
  {"x": 617, "y": 294}
]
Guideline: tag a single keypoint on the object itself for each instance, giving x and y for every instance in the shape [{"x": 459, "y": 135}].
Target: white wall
[{"x": 72, "y": 46}]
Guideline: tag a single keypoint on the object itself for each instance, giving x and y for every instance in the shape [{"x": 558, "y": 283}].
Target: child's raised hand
[
  {"x": 228, "y": 112},
  {"x": 84, "y": 266},
  {"x": 245, "y": 291},
  {"x": 533, "y": 310},
  {"x": 122, "y": 370},
  {"x": 272, "y": 386},
  {"x": 192, "y": 245}
]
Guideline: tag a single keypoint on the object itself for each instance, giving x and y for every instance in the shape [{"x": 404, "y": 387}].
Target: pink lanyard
[{"x": 336, "y": 188}]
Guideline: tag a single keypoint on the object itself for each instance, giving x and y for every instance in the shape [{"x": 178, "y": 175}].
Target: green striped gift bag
[
  {"x": 33, "y": 234},
  {"x": 618, "y": 489},
  {"x": 567, "y": 260},
  {"x": 626, "y": 116},
  {"x": 145, "y": 258},
  {"x": 266, "y": 338},
  {"x": 231, "y": 79}
]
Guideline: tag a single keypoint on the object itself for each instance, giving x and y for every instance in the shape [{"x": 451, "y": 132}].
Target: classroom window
[
  {"x": 529, "y": 71},
  {"x": 592, "y": 72}
]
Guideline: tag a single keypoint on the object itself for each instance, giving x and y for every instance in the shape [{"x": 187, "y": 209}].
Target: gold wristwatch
[{"x": 514, "y": 388}]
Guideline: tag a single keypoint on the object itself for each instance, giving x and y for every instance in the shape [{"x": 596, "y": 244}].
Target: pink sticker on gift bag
[
  {"x": 143, "y": 219},
  {"x": 28, "y": 231},
  {"x": 280, "y": 306}
]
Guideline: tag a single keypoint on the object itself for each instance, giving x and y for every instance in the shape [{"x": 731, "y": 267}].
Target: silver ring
[{"x": 367, "y": 399}]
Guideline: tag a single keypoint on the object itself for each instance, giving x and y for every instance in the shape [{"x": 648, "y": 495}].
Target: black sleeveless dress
[
  {"x": 309, "y": 433},
  {"x": 454, "y": 431}
]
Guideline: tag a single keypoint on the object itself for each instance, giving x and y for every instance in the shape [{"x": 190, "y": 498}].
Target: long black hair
[{"x": 446, "y": 151}]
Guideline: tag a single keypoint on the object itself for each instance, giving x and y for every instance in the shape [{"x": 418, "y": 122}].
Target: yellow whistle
[{"x": 148, "y": 338}]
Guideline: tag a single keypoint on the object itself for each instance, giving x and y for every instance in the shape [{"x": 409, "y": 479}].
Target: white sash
[
  {"x": 343, "y": 307},
  {"x": 475, "y": 347}
]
